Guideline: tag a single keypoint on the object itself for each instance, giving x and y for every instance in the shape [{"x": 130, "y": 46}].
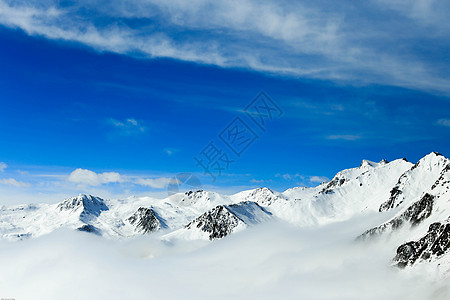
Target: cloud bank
[
  {"x": 270, "y": 261},
  {"x": 401, "y": 43}
]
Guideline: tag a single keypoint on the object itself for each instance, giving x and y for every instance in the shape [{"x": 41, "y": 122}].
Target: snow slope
[
  {"x": 420, "y": 202},
  {"x": 411, "y": 200},
  {"x": 350, "y": 192}
]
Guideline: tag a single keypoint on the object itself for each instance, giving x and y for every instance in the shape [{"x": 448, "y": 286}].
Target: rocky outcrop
[
  {"x": 424, "y": 175},
  {"x": 334, "y": 183},
  {"x": 145, "y": 220},
  {"x": 222, "y": 220},
  {"x": 218, "y": 222},
  {"x": 389, "y": 204},
  {"x": 413, "y": 215},
  {"x": 441, "y": 181},
  {"x": 89, "y": 228},
  {"x": 431, "y": 246},
  {"x": 88, "y": 206}
]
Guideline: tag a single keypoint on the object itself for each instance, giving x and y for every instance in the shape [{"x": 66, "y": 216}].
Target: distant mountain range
[{"x": 413, "y": 200}]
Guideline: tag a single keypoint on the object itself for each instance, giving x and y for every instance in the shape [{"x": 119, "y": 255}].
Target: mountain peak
[
  {"x": 145, "y": 220},
  {"x": 223, "y": 220},
  {"x": 87, "y": 204},
  {"x": 383, "y": 162},
  {"x": 432, "y": 155},
  {"x": 367, "y": 163},
  {"x": 200, "y": 199},
  {"x": 263, "y": 190},
  {"x": 263, "y": 196},
  {"x": 436, "y": 153},
  {"x": 434, "y": 158}
]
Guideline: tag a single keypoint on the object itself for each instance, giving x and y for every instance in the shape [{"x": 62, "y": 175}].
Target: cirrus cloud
[
  {"x": 343, "y": 137},
  {"x": 378, "y": 41}
]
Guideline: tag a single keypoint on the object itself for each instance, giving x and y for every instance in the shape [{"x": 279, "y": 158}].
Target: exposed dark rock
[
  {"x": 192, "y": 192},
  {"x": 223, "y": 219},
  {"x": 414, "y": 215},
  {"x": 434, "y": 244},
  {"x": 419, "y": 210},
  {"x": 441, "y": 180},
  {"x": 192, "y": 197},
  {"x": 22, "y": 236},
  {"x": 335, "y": 182},
  {"x": 395, "y": 192},
  {"x": 89, "y": 206},
  {"x": 145, "y": 220},
  {"x": 89, "y": 228},
  {"x": 218, "y": 222}
]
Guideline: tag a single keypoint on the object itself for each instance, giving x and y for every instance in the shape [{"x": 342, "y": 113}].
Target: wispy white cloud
[
  {"x": 344, "y": 137},
  {"x": 319, "y": 39},
  {"x": 443, "y": 122},
  {"x": 318, "y": 179},
  {"x": 157, "y": 183},
  {"x": 288, "y": 176},
  {"x": 128, "y": 127},
  {"x": 11, "y": 181},
  {"x": 14, "y": 182},
  {"x": 257, "y": 180},
  {"x": 170, "y": 151}
]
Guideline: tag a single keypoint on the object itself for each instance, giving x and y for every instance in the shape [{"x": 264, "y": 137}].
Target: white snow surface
[
  {"x": 290, "y": 243},
  {"x": 356, "y": 191}
]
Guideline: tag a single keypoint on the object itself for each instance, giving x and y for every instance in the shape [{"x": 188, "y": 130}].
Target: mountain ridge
[{"x": 408, "y": 197}]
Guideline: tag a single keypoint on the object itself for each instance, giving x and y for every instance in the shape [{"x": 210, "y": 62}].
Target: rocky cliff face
[
  {"x": 86, "y": 206},
  {"x": 145, "y": 220},
  {"x": 417, "y": 180},
  {"x": 434, "y": 244},
  {"x": 225, "y": 219},
  {"x": 89, "y": 228},
  {"x": 218, "y": 222},
  {"x": 413, "y": 216},
  {"x": 421, "y": 200}
]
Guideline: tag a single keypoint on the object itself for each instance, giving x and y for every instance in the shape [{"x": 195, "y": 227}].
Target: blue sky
[{"x": 116, "y": 97}]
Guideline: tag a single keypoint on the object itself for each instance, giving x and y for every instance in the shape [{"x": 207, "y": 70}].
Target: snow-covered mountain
[
  {"x": 420, "y": 202},
  {"x": 411, "y": 200},
  {"x": 223, "y": 220}
]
